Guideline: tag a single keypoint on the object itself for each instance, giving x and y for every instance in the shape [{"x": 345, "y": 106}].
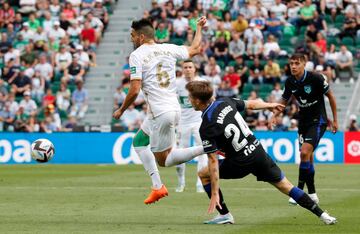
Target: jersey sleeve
[
  {"x": 179, "y": 52},
  {"x": 287, "y": 92},
  {"x": 135, "y": 67},
  {"x": 322, "y": 84},
  {"x": 240, "y": 104},
  {"x": 208, "y": 138}
]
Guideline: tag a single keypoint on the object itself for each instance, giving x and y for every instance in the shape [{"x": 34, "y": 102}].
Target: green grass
[{"x": 109, "y": 199}]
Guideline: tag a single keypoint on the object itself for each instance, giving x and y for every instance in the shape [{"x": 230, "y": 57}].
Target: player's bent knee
[{"x": 141, "y": 139}]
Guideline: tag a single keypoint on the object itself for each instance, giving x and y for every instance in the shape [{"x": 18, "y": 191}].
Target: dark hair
[
  {"x": 201, "y": 90},
  {"x": 188, "y": 61},
  {"x": 298, "y": 56},
  {"x": 143, "y": 26}
]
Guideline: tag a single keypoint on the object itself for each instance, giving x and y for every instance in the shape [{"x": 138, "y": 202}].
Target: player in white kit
[
  {"x": 152, "y": 68},
  {"x": 190, "y": 121}
]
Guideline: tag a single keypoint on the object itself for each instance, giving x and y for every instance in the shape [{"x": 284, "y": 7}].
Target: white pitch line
[{"x": 144, "y": 188}]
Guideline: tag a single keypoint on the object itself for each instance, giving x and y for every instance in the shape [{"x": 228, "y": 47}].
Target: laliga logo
[
  {"x": 122, "y": 145},
  {"x": 354, "y": 148}
]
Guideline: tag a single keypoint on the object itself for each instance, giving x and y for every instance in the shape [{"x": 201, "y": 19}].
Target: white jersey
[
  {"x": 155, "y": 66},
  {"x": 189, "y": 116}
]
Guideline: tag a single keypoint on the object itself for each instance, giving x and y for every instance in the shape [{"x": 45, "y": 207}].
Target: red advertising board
[{"x": 352, "y": 147}]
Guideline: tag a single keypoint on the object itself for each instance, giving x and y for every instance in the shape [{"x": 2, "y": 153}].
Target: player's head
[
  {"x": 142, "y": 31},
  {"x": 200, "y": 94},
  {"x": 297, "y": 64},
  {"x": 188, "y": 69}
]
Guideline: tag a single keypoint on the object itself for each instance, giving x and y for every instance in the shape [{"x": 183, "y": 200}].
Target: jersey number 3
[
  {"x": 162, "y": 76},
  {"x": 232, "y": 129}
]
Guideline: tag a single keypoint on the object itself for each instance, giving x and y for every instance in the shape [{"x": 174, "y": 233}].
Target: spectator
[
  {"x": 84, "y": 59},
  {"x": 12, "y": 53},
  {"x": 241, "y": 69},
  {"x": 306, "y": 14},
  {"x": 70, "y": 125},
  {"x": 353, "y": 126},
  {"x": 27, "y": 6},
  {"x": 331, "y": 56},
  {"x": 272, "y": 72},
  {"x": 293, "y": 9},
  {"x": 225, "y": 90},
  {"x": 29, "y": 105},
  {"x": 63, "y": 97},
  {"x": 258, "y": 20},
  {"x": 311, "y": 32},
  {"x": 29, "y": 57},
  {"x": 213, "y": 77},
  {"x": 69, "y": 12},
  {"x": 350, "y": 26},
  {"x": 236, "y": 46},
  {"x": 26, "y": 32},
  {"x": 321, "y": 43},
  {"x": 221, "y": 50},
  {"x": 212, "y": 67},
  {"x": 180, "y": 25},
  {"x": 130, "y": 119},
  {"x": 11, "y": 33},
  {"x": 344, "y": 62},
  {"x": 277, "y": 92},
  {"x": 48, "y": 23},
  {"x": 18, "y": 22},
  {"x": 45, "y": 70},
  {"x": 4, "y": 44},
  {"x": 212, "y": 22},
  {"x": 222, "y": 32},
  {"x": 162, "y": 33},
  {"x": 186, "y": 8},
  {"x": 10, "y": 71},
  {"x": 20, "y": 43},
  {"x": 49, "y": 98},
  {"x": 97, "y": 25},
  {"x": 34, "y": 23},
  {"x": 155, "y": 10},
  {"x": 74, "y": 71},
  {"x": 37, "y": 87},
  {"x": 256, "y": 72},
  {"x": 252, "y": 32},
  {"x": 119, "y": 97},
  {"x": 233, "y": 78},
  {"x": 227, "y": 21},
  {"x": 273, "y": 26},
  {"x": 240, "y": 24},
  {"x": 250, "y": 118},
  {"x": 74, "y": 32},
  {"x": 40, "y": 39},
  {"x": 88, "y": 34},
  {"x": 21, "y": 83},
  {"x": 271, "y": 48},
  {"x": 255, "y": 48},
  {"x": 57, "y": 32},
  {"x": 101, "y": 12},
  {"x": 7, "y": 118},
  {"x": 279, "y": 126},
  {"x": 261, "y": 124},
  {"x": 248, "y": 10},
  {"x": 333, "y": 7},
  {"x": 79, "y": 101},
  {"x": 63, "y": 59},
  {"x": 3, "y": 88},
  {"x": 7, "y": 15},
  {"x": 319, "y": 22},
  {"x": 21, "y": 119},
  {"x": 279, "y": 9},
  {"x": 14, "y": 106}
]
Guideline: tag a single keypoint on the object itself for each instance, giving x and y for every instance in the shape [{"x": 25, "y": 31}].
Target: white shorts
[
  {"x": 161, "y": 130},
  {"x": 186, "y": 132}
]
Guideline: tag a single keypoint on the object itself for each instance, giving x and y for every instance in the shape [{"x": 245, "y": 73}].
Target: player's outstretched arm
[
  {"x": 259, "y": 105},
  {"x": 195, "y": 46},
  {"x": 135, "y": 86},
  {"x": 332, "y": 101},
  {"x": 214, "y": 178}
]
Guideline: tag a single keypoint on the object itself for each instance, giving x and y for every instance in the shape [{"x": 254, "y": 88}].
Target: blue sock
[
  {"x": 312, "y": 168},
  {"x": 296, "y": 193},
  {"x": 305, "y": 165}
]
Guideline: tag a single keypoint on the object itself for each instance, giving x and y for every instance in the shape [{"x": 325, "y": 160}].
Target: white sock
[
  {"x": 180, "y": 171},
  {"x": 148, "y": 160},
  {"x": 178, "y": 156}
]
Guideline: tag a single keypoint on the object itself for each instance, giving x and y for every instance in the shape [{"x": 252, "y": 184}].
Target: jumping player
[
  {"x": 309, "y": 89},
  {"x": 224, "y": 129},
  {"x": 152, "y": 68}
]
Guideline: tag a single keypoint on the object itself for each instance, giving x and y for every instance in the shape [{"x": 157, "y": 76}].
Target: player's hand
[
  {"x": 214, "y": 201},
  {"x": 334, "y": 126},
  {"x": 276, "y": 107},
  {"x": 117, "y": 114},
  {"x": 201, "y": 21}
]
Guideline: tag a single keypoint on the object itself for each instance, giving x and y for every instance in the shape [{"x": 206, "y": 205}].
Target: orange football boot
[{"x": 156, "y": 195}]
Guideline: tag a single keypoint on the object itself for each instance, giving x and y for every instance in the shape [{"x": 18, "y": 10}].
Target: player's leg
[
  {"x": 224, "y": 216},
  {"x": 303, "y": 199},
  {"x": 141, "y": 143},
  {"x": 184, "y": 141},
  {"x": 202, "y": 159},
  {"x": 164, "y": 139}
]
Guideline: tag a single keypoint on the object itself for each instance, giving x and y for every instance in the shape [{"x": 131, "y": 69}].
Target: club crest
[{"x": 307, "y": 89}]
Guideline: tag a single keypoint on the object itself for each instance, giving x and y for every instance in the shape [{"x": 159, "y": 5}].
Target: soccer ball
[{"x": 42, "y": 150}]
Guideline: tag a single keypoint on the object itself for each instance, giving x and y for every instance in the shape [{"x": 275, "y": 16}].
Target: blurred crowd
[
  {"x": 46, "y": 48},
  {"x": 246, "y": 45}
]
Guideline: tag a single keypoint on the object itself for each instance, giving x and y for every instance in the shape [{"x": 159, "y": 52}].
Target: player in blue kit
[{"x": 224, "y": 129}]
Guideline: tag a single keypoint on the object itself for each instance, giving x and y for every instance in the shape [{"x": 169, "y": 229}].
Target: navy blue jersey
[
  {"x": 309, "y": 93},
  {"x": 224, "y": 129}
]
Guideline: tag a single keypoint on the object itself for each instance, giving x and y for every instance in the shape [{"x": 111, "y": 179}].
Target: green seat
[
  {"x": 63, "y": 114},
  {"x": 285, "y": 42},
  {"x": 328, "y": 19},
  {"x": 266, "y": 88},
  {"x": 232, "y": 63},
  {"x": 221, "y": 64},
  {"x": 250, "y": 63},
  {"x": 348, "y": 41},
  {"x": 248, "y": 88},
  {"x": 332, "y": 40},
  {"x": 340, "y": 19}
]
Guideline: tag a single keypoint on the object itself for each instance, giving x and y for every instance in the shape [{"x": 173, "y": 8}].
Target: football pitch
[{"x": 109, "y": 199}]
